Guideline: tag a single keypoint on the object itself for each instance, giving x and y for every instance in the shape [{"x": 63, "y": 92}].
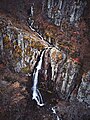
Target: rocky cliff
[{"x": 59, "y": 30}]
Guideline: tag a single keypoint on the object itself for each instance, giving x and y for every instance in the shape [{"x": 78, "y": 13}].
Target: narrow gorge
[{"x": 45, "y": 60}]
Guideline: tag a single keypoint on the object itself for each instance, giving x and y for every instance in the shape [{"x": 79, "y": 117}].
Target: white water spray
[
  {"x": 36, "y": 93},
  {"x": 54, "y": 112}
]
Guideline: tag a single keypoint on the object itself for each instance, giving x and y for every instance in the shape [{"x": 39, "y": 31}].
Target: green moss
[
  {"x": 25, "y": 69},
  {"x": 17, "y": 52},
  {"x": 6, "y": 42}
]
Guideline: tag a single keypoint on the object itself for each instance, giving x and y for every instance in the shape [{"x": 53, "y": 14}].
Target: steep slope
[{"x": 28, "y": 29}]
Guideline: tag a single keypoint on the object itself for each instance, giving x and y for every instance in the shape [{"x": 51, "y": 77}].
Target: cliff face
[
  {"x": 70, "y": 11},
  {"x": 61, "y": 70},
  {"x": 60, "y": 29},
  {"x": 63, "y": 22},
  {"x": 56, "y": 11}
]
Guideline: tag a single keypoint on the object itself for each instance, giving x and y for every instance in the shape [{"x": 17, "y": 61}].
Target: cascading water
[
  {"x": 54, "y": 112},
  {"x": 36, "y": 95}
]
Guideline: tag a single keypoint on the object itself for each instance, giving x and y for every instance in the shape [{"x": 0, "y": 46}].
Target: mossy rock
[
  {"x": 27, "y": 38},
  {"x": 7, "y": 43},
  {"x": 25, "y": 69},
  {"x": 28, "y": 52},
  {"x": 39, "y": 46},
  {"x": 17, "y": 52}
]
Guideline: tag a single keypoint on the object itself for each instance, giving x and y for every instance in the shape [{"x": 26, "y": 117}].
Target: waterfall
[
  {"x": 36, "y": 93},
  {"x": 32, "y": 12},
  {"x": 54, "y": 112},
  {"x": 49, "y": 5}
]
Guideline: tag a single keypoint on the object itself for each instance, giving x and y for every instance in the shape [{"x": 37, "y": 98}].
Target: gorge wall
[
  {"x": 61, "y": 70},
  {"x": 61, "y": 30}
]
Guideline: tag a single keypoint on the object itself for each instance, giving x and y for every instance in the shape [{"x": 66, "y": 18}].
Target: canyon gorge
[{"x": 45, "y": 60}]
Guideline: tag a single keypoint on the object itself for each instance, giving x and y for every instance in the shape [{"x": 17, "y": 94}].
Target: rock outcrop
[
  {"x": 59, "y": 30},
  {"x": 61, "y": 71},
  {"x": 58, "y": 11}
]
